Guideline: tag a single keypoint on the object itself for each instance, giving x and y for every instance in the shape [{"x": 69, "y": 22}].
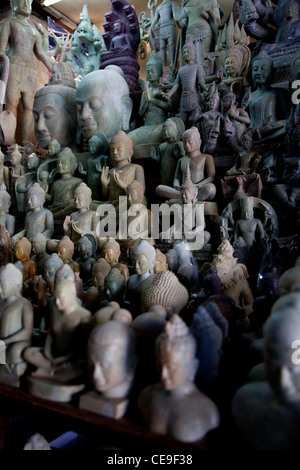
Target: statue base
[
  {"x": 9, "y": 379},
  {"x": 112, "y": 408},
  {"x": 54, "y": 391}
]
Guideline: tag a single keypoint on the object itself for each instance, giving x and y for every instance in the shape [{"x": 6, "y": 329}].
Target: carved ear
[{"x": 126, "y": 114}]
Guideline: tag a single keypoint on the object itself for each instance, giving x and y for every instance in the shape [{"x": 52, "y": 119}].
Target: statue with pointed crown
[{"x": 88, "y": 44}]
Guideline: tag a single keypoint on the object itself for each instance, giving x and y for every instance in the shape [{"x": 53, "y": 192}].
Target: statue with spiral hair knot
[{"x": 175, "y": 406}]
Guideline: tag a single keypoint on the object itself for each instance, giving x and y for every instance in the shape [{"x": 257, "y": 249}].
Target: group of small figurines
[{"x": 145, "y": 320}]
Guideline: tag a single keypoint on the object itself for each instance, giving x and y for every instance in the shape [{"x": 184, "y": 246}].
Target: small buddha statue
[
  {"x": 38, "y": 219},
  {"x": 86, "y": 248},
  {"x": 111, "y": 253},
  {"x": 111, "y": 365},
  {"x": 143, "y": 260},
  {"x": 61, "y": 362},
  {"x": 65, "y": 252},
  {"x": 96, "y": 294}
]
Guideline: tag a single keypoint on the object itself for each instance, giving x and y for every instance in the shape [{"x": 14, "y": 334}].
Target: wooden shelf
[{"x": 128, "y": 430}]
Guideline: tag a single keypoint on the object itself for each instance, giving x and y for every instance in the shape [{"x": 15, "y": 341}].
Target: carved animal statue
[{"x": 254, "y": 15}]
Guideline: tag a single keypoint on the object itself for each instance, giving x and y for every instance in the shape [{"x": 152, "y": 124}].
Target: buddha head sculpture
[
  {"x": 176, "y": 354},
  {"x": 65, "y": 249},
  {"x": 143, "y": 257},
  {"x": 111, "y": 251},
  {"x": 83, "y": 197},
  {"x": 281, "y": 333},
  {"x": 262, "y": 69},
  {"x": 66, "y": 162},
  {"x": 111, "y": 358},
  {"x": 36, "y": 196},
  {"x": 54, "y": 112},
  {"x": 103, "y": 104},
  {"x": 135, "y": 193},
  {"x": 172, "y": 129}
]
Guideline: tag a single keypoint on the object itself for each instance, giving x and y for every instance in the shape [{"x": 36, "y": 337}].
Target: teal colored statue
[{"x": 88, "y": 44}]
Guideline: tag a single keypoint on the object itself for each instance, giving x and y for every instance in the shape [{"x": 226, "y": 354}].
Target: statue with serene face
[
  {"x": 54, "y": 111},
  {"x": 111, "y": 365},
  {"x": 38, "y": 219},
  {"x": 103, "y": 104},
  {"x": 115, "y": 180},
  {"x": 143, "y": 260},
  {"x": 175, "y": 406},
  {"x": 24, "y": 44},
  {"x": 83, "y": 220},
  {"x": 62, "y": 190},
  {"x": 201, "y": 167},
  {"x": 111, "y": 252}
]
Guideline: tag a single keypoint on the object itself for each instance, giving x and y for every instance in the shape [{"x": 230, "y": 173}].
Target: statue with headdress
[
  {"x": 234, "y": 59},
  {"x": 170, "y": 150},
  {"x": 87, "y": 46},
  {"x": 175, "y": 406}
]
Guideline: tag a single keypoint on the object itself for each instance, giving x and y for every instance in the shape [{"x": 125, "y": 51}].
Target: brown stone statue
[
  {"x": 115, "y": 181},
  {"x": 175, "y": 406},
  {"x": 65, "y": 252},
  {"x": 23, "y": 252},
  {"x": 24, "y": 43},
  {"x": 62, "y": 190},
  {"x": 96, "y": 294},
  {"x": 111, "y": 252},
  {"x": 6, "y": 253}
]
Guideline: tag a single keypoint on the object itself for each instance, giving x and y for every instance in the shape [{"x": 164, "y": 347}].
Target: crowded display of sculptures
[{"x": 148, "y": 252}]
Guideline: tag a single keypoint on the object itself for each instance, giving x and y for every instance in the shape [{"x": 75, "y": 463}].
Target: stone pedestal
[
  {"x": 54, "y": 391},
  {"x": 112, "y": 408}
]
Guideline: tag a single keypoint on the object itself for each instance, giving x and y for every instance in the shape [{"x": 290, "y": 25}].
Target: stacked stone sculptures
[{"x": 113, "y": 222}]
